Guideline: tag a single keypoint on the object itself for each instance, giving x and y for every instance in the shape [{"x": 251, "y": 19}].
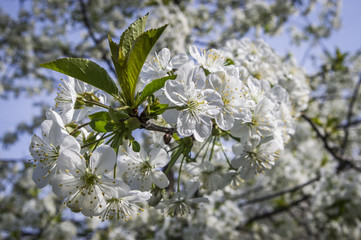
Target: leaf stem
[
  {"x": 78, "y": 127},
  {"x": 97, "y": 103},
  {"x": 98, "y": 140},
  {"x": 180, "y": 171}
]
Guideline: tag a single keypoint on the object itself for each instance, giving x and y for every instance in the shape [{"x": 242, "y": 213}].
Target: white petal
[
  {"x": 203, "y": 129},
  {"x": 178, "y": 60},
  {"x": 191, "y": 187},
  {"x": 56, "y": 134},
  {"x": 71, "y": 162},
  {"x": 45, "y": 129},
  {"x": 102, "y": 160},
  {"x": 160, "y": 179},
  {"x": 42, "y": 175},
  {"x": 70, "y": 142},
  {"x": 225, "y": 121},
  {"x": 236, "y": 162},
  {"x": 215, "y": 102},
  {"x": 198, "y": 77},
  {"x": 183, "y": 73},
  {"x": 241, "y": 130},
  {"x": 158, "y": 157},
  {"x": 140, "y": 183},
  {"x": 65, "y": 185},
  {"x": 174, "y": 91},
  {"x": 113, "y": 187},
  {"x": 138, "y": 196},
  {"x": 54, "y": 116},
  {"x": 186, "y": 123},
  {"x": 80, "y": 114}
]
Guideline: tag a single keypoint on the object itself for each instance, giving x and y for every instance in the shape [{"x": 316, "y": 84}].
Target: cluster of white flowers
[
  {"x": 209, "y": 100},
  {"x": 262, "y": 63}
]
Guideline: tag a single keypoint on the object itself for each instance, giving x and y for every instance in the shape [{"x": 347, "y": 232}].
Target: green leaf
[
  {"x": 135, "y": 61},
  {"x": 117, "y": 115},
  {"x": 135, "y": 146},
  {"x": 100, "y": 116},
  {"x": 158, "y": 109},
  {"x": 131, "y": 34},
  {"x": 117, "y": 55},
  {"x": 99, "y": 126},
  {"x": 86, "y": 71},
  {"x": 132, "y": 124},
  {"x": 100, "y": 122},
  {"x": 152, "y": 87}
]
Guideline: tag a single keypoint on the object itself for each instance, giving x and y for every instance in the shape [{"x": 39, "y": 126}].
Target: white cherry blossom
[
  {"x": 160, "y": 65},
  {"x": 198, "y": 104},
  {"x": 46, "y": 151},
  {"x": 212, "y": 59},
  {"x": 235, "y": 105},
  {"x": 140, "y": 171},
  {"x": 255, "y": 156},
  {"x": 84, "y": 186},
  {"x": 121, "y": 206},
  {"x": 183, "y": 202}
]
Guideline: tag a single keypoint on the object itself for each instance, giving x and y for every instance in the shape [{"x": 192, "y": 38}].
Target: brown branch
[
  {"x": 276, "y": 211},
  {"x": 350, "y": 124},
  {"x": 152, "y": 127},
  {"x": 274, "y": 195},
  {"x": 343, "y": 161},
  {"x": 350, "y": 114},
  {"x": 92, "y": 35}
]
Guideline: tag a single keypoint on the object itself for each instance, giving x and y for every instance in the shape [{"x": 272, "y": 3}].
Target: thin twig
[
  {"x": 276, "y": 211},
  {"x": 92, "y": 35},
  {"x": 350, "y": 114},
  {"x": 344, "y": 162},
  {"x": 152, "y": 127},
  {"x": 274, "y": 195}
]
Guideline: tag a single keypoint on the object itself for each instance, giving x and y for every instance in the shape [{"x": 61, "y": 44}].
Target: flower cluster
[{"x": 203, "y": 104}]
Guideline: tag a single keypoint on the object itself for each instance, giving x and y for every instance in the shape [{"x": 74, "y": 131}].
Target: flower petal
[
  {"x": 159, "y": 179},
  {"x": 102, "y": 160},
  {"x": 70, "y": 142},
  {"x": 159, "y": 157},
  {"x": 186, "y": 123},
  {"x": 43, "y": 174}
]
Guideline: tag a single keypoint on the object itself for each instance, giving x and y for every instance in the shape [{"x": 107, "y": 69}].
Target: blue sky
[{"x": 348, "y": 38}]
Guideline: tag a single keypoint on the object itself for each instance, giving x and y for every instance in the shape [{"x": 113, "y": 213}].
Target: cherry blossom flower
[
  {"x": 212, "y": 59},
  {"x": 140, "y": 171},
  {"x": 182, "y": 202},
  {"x": 255, "y": 156},
  {"x": 46, "y": 151},
  {"x": 235, "y": 105},
  {"x": 121, "y": 205},
  {"x": 161, "y": 64},
  {"x": 84, "y": 186},
  {"x": 198, "y": 104}
]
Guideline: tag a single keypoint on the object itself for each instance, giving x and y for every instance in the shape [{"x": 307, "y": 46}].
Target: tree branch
[
  {"x": 276, "y": 211},
  {"x": 274, "y": 195},
  {"x": 92, "y": 35},
  {"x": 152, "y": 127},
  {"x": 343, "y": 161},
  {"x": 350, "y": 114}
]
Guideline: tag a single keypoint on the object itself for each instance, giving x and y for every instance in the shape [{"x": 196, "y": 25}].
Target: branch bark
[{"x": 89, "y": 28}]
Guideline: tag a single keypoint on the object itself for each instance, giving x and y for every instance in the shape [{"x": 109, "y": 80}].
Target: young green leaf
[
  {"x": 135, "y": 146},
  {"x": 136, "y": 58},
  {"x": 152, "y": 87},
  {"x": 99, "y": 121},
  {"x": 131, "y": 34},
  {"x": 86, "y": 71}
]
